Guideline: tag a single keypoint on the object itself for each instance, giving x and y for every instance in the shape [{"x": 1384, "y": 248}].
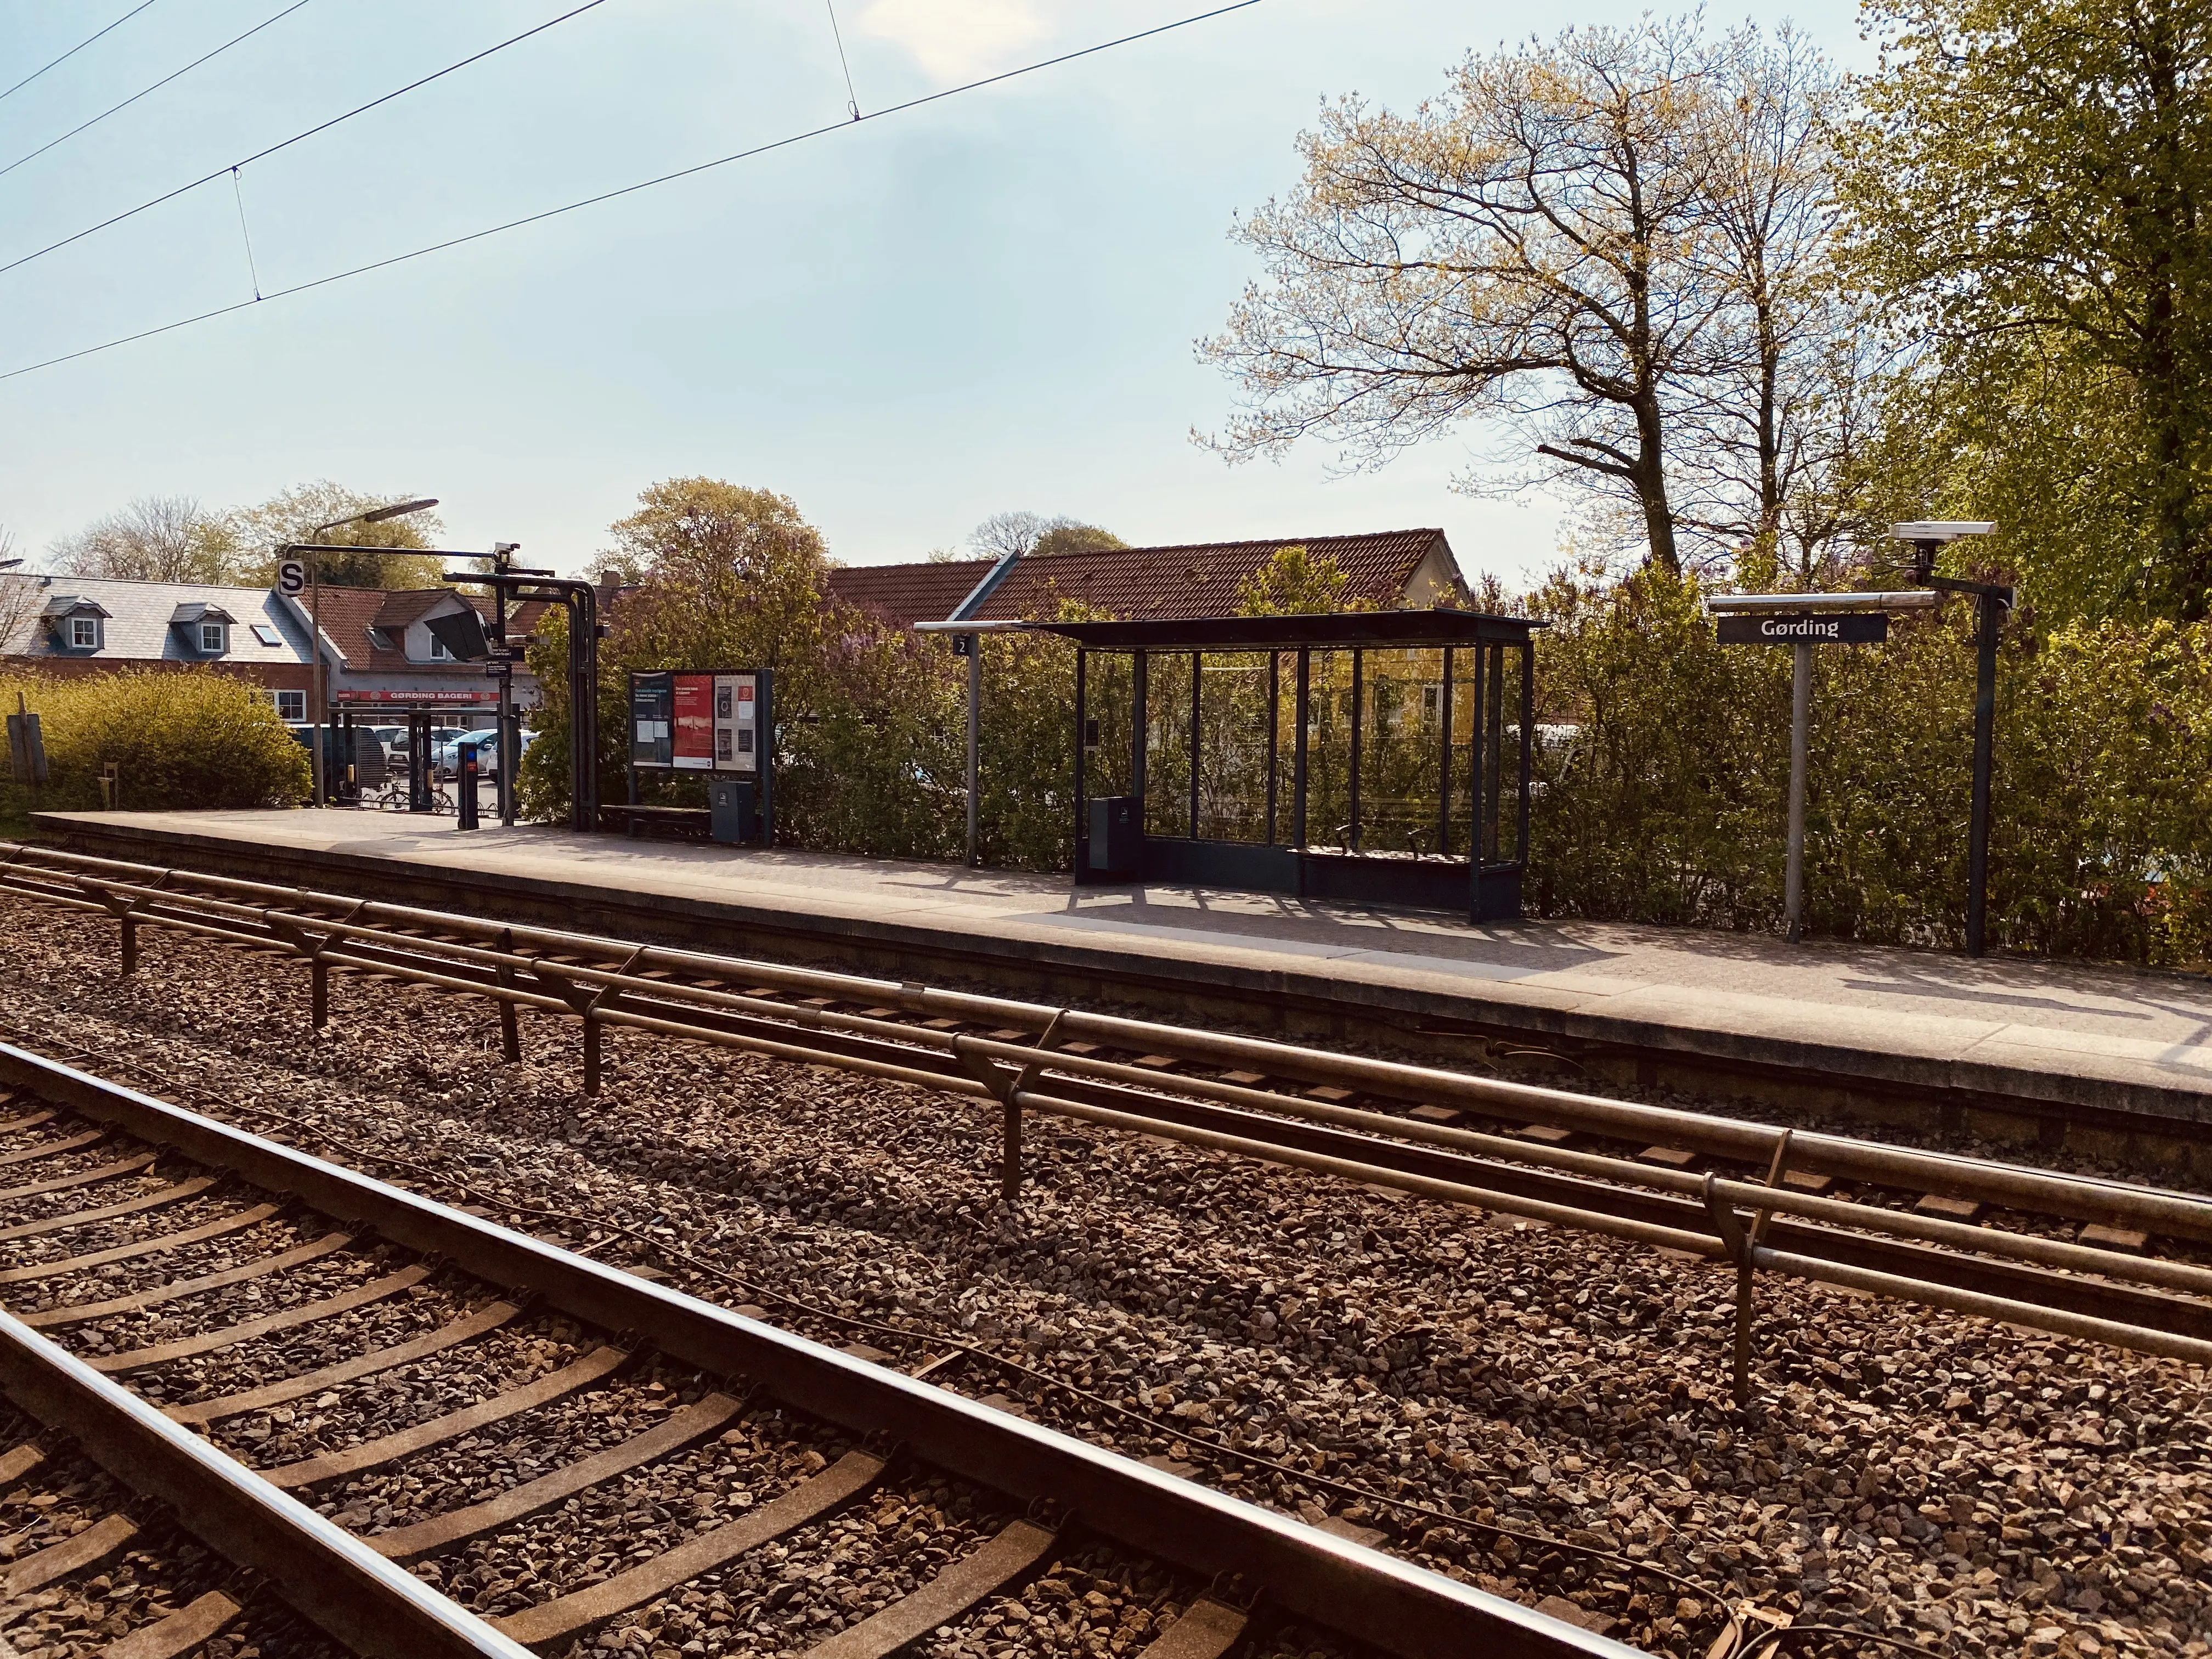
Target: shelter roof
[{"x": 1339, "y": 630}]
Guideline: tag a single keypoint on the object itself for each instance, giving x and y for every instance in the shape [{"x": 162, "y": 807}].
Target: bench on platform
[{"x": 663, "y": 820}]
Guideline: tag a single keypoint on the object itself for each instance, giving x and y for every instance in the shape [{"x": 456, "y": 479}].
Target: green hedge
[
  {"x": 187, "y": 738},
  {"x": 1667, "y": 801}
]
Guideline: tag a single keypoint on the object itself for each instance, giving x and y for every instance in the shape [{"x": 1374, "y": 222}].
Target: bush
[
  {"x": 184, "y": 740},
  {"x": 1668, "y": 802}
]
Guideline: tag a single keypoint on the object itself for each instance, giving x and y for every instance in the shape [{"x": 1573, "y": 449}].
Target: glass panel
[
  {"x": 1400, "y": 719},
  {"x": 1167, "y": 743},
  {"x": 1232, "y": 759},
  {"x": 1465, "y": 663},
  {"x": 1328, "y": 750},
  {"x": 1106, "y": 696}
]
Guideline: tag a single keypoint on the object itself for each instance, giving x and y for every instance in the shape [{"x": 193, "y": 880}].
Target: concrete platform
[{"x": 2089, "y": 1041}]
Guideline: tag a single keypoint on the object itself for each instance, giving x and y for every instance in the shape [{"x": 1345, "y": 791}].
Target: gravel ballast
[{"x": 1559, "y": 1401}]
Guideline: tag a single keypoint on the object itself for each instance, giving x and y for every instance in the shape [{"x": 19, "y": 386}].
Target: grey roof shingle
[{"x": 140, "y": 615}]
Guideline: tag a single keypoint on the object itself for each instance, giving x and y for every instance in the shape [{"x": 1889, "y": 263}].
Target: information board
[{"x": 700, "y": 720}]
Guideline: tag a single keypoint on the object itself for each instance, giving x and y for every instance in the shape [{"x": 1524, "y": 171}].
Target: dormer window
[
  {"x": 84, "y": 633},
  {"x": 211, "y": 638},
  {"x": 438, "y": 652}
]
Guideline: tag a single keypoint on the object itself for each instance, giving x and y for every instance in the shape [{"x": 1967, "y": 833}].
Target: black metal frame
[
  {"x": 511, "y": 584},
  {"x": 1486, "y": 883}
]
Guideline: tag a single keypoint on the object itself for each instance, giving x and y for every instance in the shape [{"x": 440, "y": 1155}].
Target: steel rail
[
  {"x": 333, "y": 1577},
  {"x": 904, "y": 1052},
  {"x": 2076, "y": 1197},
  {"x": 1360, "y": 1592}
]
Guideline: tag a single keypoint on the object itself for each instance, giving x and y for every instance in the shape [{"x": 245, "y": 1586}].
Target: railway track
[
  {"x": 379, "y": 1408},
  {"x": 2086, "y": 1258}
]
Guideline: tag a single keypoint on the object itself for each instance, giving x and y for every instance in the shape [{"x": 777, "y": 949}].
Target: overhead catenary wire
[
  {"x": 299, "y": 138},
  {"x": 75, "y": 49},
  {"x": 172, "y": 75},
  {"x": 612, "y": 195},
  {"x": 852, "y": 97}
]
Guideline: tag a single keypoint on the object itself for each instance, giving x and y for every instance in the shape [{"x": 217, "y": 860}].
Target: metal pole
[
  {"x": 1352, "y": 831},
  {"x": 1301, "y": 713},
  {"x": 315, "y": 666},
  {"x": 1977, "y": 833},
  {"x": 1444, "y": 757},
  {"x": 510, "y": 744},
  {"x": 1274, "y": 734},
  {"x": 1800, "y": 722},
  {"x": 1528, "y": 747},
  {"x": 1193, "y": 745},
  {"x": 1081, "y": 843},
  {"x": 975, "y": 745}
]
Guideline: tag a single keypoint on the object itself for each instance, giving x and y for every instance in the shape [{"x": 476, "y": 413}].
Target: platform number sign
[{"x": 291, "y": 577}]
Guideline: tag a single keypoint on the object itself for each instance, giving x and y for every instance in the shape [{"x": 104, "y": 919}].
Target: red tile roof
[
  {"x": 350, "y": 612},
  {"x": 1200, "y": 578},
  {"x": 905, "y": 593}
]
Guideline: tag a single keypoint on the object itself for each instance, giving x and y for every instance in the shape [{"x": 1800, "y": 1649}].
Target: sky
[{"x": 986, "y": 304}]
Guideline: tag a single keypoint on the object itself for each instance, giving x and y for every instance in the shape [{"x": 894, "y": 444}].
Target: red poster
[{"x": 694, "y": 722}]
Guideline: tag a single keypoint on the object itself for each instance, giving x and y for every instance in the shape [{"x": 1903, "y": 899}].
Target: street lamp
[
  {"x": 1991, "y": 600},
  {"x": 316, "y": 675}
]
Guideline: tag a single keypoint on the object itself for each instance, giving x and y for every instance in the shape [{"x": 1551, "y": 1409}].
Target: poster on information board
[
  {"x": 737, "y": 709},
  {"x": 694, "y": 748}
]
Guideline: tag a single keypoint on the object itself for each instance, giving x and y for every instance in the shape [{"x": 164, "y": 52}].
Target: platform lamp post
[
  {"x": 1991, "y": 600},
  {"x": 317, "y": 678}
]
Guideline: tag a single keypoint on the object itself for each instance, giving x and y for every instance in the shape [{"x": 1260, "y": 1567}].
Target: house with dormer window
[{"x": 76, "y": 625}]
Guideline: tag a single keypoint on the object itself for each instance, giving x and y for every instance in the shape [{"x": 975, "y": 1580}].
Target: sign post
[{"x": 1786, "y": 619}]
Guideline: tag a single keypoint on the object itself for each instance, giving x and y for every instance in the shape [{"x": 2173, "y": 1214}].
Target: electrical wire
[
  {"x": 852, "y": 97},
  {"x": 75, "y": 49},
  {"x": 605, "y": 195},
  {"x": 83, "y": 125},
  {"x": 299, "y": 138}
]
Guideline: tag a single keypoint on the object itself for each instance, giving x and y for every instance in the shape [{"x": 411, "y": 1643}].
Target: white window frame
[
  {"x": 291, "y": 706},
  {"x": 438, "y": 652},
  {"x": 84, "y": 633},
  {"x": 211, "y": 638},
  {"x": 266, "y": 634}
]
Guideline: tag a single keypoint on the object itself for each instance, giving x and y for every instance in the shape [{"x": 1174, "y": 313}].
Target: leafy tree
[
  {"x": 2029, "y": 182},
  {"x": 1293, "y": 582},
  {"x": 256, "y": 532},
  {"x": 159, "y": 538},
  {"x": 1593, "y": 243}
]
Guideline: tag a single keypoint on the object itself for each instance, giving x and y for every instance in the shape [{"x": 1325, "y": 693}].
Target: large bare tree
[
  {"x": 1589, "y": 247},
  {"x": 159, "y": 538}
]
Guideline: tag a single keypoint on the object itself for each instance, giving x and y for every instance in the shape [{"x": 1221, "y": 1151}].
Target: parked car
[{"x": 447, "y": 755}]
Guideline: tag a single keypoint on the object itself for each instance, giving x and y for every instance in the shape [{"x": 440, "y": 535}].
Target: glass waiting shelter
[{"x": 1378, "y": 756}]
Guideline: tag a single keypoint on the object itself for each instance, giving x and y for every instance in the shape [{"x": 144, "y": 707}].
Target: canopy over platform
[{"x": 1380, "y": 755}]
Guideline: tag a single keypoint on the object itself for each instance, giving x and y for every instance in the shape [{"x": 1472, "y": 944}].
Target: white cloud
[{"x": 957, "y": 39}]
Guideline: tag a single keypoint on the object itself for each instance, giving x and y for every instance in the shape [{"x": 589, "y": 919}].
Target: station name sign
[{"x": 1832, "y": 628}]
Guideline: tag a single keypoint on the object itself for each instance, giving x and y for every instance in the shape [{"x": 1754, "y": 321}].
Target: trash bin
[
  {"x": 730, "y": 818},
  {"x": 1117, "y": 832}
]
